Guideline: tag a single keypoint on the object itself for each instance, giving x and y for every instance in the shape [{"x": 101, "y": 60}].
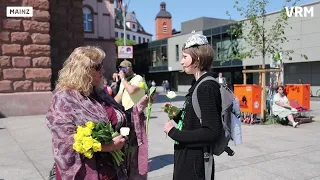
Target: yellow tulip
[
  {"x": 96, "y": 147},
  {"x": 87, "y": 143},
  {"x": 78, "y": 136},
  {"x": 90, "y": 125},
  {"x": 77, "y": 146},
  {"x": 80, "y": 130},
  {"x": 88, "y": 154},
  {"x": 87, "y": 131},
  {"x": 143, "y": 85}
]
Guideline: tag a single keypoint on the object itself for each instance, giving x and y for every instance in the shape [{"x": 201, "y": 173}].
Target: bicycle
[{"x": 318, "y": 93}]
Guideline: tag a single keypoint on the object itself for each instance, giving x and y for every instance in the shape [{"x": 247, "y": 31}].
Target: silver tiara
[{"x": 196, "y": 39}]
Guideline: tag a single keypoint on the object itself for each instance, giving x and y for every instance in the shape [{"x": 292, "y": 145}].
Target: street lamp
[{"x": 124, "y": 10}]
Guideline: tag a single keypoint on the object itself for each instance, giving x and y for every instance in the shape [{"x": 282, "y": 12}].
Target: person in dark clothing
[{"x": 191, "y": 137}]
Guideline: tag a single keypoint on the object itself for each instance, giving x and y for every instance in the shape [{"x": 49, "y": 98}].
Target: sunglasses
[
  {"x": 122, "y": 68},
  {"x": 98, "y": 66}
]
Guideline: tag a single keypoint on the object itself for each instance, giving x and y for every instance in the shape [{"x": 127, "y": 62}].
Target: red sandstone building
[
  {"x": 34, "y": 49},
  {"x": 163, "y": 23}
]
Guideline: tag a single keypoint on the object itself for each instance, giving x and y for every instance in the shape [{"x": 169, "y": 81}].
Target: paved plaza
[{"x": 269, "y": 152}]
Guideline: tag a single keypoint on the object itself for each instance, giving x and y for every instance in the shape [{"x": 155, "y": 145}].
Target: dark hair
[
  {"x": 284, "y": 91},
  {"x": 280, "y": 87},
  {"x": 202, "y": 56}
]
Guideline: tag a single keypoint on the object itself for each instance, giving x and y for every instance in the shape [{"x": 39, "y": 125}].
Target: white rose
[
  {"x": 124, "y": 131},
  {"x": 171, "y": 95}
]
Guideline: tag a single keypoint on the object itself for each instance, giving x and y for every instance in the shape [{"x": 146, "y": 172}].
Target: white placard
[{"x": 19, "y": 11}]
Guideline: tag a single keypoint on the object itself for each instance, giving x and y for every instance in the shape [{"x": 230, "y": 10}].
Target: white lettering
[
  {"x": 289, "y": 13},
  {"x": 308, "y": 11},
  {"x": 298, "y": 11}
]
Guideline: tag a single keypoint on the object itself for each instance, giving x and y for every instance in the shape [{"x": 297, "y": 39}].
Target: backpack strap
[
  {"x": 195, "y": 102},
  {"x": 208, "y": 151}
]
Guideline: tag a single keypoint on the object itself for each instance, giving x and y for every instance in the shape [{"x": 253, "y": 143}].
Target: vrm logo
[
  {"x": 298, "y": 11},
  {"x": 19, "y": 11}
]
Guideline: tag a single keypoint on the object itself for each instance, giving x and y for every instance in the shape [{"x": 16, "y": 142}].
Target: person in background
[
  {"x": 164, "y": 86},
  {"x": 153, "y": 83},
  {"x": 129, "y": 92},
  {"x": 106, "y": 87},
  {"x": 222, "y": 80},
  {"x": 115, "y": 84},
  {"x": 167, "y": 86},
  {"x": 281, "y": 106}
]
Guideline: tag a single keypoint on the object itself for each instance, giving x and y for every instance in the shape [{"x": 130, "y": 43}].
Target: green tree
[
  {"x": 259, "y": 35},
  {"x": 120, "y": 42}
]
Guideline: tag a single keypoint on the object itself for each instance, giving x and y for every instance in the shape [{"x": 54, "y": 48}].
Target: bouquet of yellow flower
[
  {"x": 88, "y": 140},
  {"x": 143, "y": 85}
]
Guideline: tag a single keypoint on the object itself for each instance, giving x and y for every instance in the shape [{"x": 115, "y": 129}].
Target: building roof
[
  {"x": 163, "y": 13},
  {"x": 119, "y": 22}
]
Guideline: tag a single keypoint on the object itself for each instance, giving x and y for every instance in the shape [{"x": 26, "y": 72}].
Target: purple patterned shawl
[{"x": 70, "y": 109}]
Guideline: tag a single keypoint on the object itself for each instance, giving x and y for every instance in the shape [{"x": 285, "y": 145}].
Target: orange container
[
  {"x": 299, "y": 92},
  {"x": 249, "y": 96}
]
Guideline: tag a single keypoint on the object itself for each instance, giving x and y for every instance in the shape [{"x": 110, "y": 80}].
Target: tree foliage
[
  {"x": 120, "y": 42},
  {"x": 261, "y": 39}
]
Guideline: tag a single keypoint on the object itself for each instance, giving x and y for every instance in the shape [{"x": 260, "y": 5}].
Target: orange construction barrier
[
  {"x": 249, "y": 96},
  {"x": 299, "y": 92}
]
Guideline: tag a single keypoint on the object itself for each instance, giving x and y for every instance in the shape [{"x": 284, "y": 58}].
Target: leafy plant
[
  {"x": 120, "y": 42},
  {"x": 255, "y": 33}
]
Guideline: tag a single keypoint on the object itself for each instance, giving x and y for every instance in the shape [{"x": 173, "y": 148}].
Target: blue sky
[{"x": 184, "y": 10}]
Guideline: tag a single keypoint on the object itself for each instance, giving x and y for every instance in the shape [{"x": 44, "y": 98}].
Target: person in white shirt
[{"x": 222, "y": 80}]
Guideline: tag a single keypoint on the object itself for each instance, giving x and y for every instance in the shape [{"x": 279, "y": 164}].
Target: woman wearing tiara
[{"x": 192, "y": 137}]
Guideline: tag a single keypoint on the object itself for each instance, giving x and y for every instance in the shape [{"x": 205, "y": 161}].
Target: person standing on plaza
[
  {"x": 191, "y": 136},
  {"x": 222, "y": 80},
  {"x": 129, "y": 92},
  {"x": 115, "y": 84},
  {"x": 153, "y": 83}
]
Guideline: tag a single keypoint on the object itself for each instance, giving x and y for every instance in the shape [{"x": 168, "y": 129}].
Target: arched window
[
  {"x": 87, "y": 19},
  {"x": 164, "y": 27}
]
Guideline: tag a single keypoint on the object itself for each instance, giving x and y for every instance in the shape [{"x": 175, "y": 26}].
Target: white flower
[
  {"x": 124, "y": 131},
  {"x": 171, "y": 95}
]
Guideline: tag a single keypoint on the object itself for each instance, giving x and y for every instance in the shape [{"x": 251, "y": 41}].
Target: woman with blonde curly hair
[{"x": 79, "y": 97}]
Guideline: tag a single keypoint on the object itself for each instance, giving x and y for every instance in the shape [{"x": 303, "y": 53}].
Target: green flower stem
[
  {"x": 169, "y": 112},
  {"x": 149, "y": 108},
  {"x": 117, "y": 156},
  {"x": 148, "y": 115}
]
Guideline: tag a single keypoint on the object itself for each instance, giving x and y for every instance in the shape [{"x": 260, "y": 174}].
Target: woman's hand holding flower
[
  {"x": 143, "y": 103},
  {"x": 118, "y": 143},
  {"x": 167, "y": 126}
]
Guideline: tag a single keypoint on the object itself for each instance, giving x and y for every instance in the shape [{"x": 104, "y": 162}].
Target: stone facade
[
  {"x": 25, "y": 50},
  {"x": 32, "y": 50}
]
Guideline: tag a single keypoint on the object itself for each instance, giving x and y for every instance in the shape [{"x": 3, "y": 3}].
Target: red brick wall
[
  {"x": 25, "y": 49},
  {"x": 32, "y": 50},
  {"x": 159, "y": 28}
]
